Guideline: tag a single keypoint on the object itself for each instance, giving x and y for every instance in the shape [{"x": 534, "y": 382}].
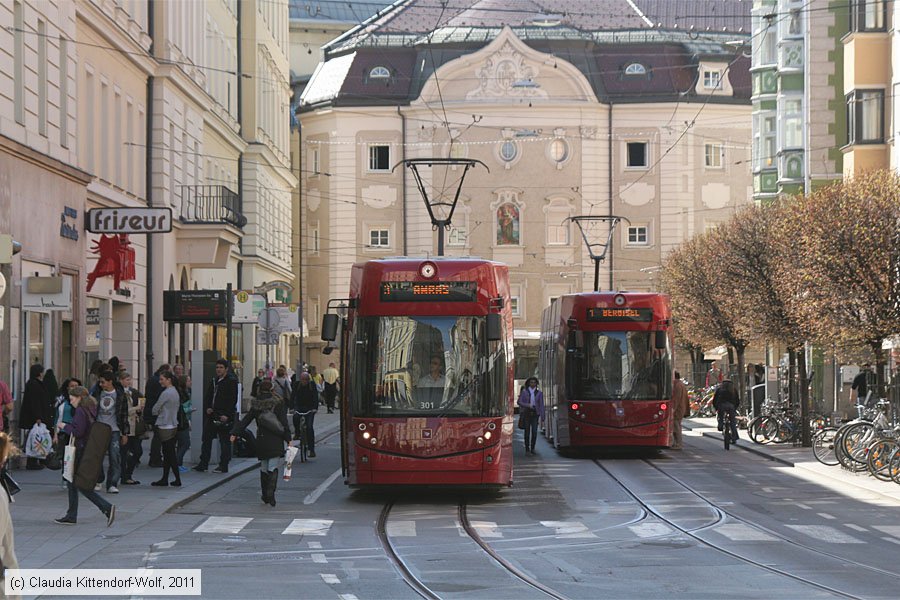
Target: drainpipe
[
  {"x": 609, "y": 143},
  {"x": 300, "y": 301},
  {"x": 403, "y": 180},
  {"x": 148, "y": 192}
]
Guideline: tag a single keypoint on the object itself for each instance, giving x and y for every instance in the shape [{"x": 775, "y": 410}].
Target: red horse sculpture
[{"x": 116, "y": 259}]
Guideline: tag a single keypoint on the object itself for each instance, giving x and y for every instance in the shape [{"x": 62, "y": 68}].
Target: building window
[
  {"x": 42, "y": 77},
  {"x": 795, "y": 24},
  {"x": 19, "y": 62},
  {"x": 458, "y": 236},
  {"x": 868, "y": 15},
  {"x": 559, "y": 150},
  {"x": 792, "y": 121},
  {"x": 379, "y": 238},
  {"x": 765, "y": 140},
  {"x": 637, "y": 235},
  {"x": 514, "y": 306},
  {"x": 714, "y": 156},
  {"x": 508, "y": 224},
  {"x": 636, "y": 155},
  {"x": 712, "y": 80},
  {"x": 379, "y": 73},
  {"x": 379, "y": 157},
  {"x": 558, "y": 227},
  {"x": 768, "y": 44},
  {"x": 865, "y": 117},
  {"x": 314, "y": 159},
  {"x": 458, "y": 150},
  {"x": 64, "y": 94},
  {"x": 508, "y": 151},
  {"x": 635, "y": 69},
  {"x": 314, "y": 238}
]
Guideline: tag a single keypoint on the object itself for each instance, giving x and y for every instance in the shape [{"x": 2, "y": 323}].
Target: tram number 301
[{"x": 426, "y": 405}]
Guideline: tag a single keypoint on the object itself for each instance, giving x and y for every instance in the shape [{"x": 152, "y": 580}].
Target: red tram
[
  {"x": 427, "y": 372},
  {"x": 606, "y": 370}
]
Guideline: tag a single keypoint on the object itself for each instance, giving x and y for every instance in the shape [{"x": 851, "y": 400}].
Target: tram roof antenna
[
  {"x": 598, "y": 248},
  {"x": 440, "y": 208}
]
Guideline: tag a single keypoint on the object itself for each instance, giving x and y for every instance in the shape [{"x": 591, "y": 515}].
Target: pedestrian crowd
[{"x": 95, "y": 431}]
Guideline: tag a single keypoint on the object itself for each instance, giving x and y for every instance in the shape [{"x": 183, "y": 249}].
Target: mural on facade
[
  {"x": 116, "y": 258},
  {"x": 508, "y": 225}
]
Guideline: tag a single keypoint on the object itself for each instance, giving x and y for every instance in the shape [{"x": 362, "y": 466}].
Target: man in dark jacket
[
  {"x": 152, "y": 392},
  {"x": 219, "y": 409},
  {"x": 306, "y": 400},
  {"x": 727, "y": 400},
  {"x": 36, "y": 407}
]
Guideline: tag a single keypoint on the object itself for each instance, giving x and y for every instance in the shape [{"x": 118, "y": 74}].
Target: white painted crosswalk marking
[
  {"x": 329, "y": 578},
  {"x": 315, "y": 545},
  {"x": 348, "y": 597},
  {"x": 827, "y": 516},
  {"x": 165, "y": 545},
  {"x": 308, "y": 527},
  {"x": 487, "y": 529},
  {"x": 223, "y": 525},
  {"x": 854, "y": 527},
  {"x": 646, "y": 530},
  {"x": 569, "y": 529},
  {"x": 892, "y": 530},
  {"x": 319, "y": 558},
  {"x": 401, "y": 528},
  {"x": 826, "y": 534},
  {"x": 740, "y": 532}
]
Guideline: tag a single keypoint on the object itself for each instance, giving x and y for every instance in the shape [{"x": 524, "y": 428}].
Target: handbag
[
  {"x": 90, "y": 463},
  {"x": 9, "y": 484},
  {"x": 268, "y": 421},
  {"x": 183, "y": 423},
  {"x": 53, "y": 461},
  {"x": 69, "y": 460},
  {"x": 521, "y": 421}
]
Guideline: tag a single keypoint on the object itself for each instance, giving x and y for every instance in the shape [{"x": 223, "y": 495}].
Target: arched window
[
  {"x": 508, "y": 224},
  {"x": 559, "y": 150},
  {"x": 379, "y": 73},
  {"x": 635, "y": 69},
  {"x": 508, "y": 151}
]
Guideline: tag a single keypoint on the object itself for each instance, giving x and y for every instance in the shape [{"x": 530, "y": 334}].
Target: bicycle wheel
[
  {"x": 766, "y": 431},
  {"x": 878, "y": 459},
  {"x": 823, "y": 446},
  {"x": 851, "y": 452},
  {"x": 753, "y": 425},
  {"x": 895, "y": 468}
]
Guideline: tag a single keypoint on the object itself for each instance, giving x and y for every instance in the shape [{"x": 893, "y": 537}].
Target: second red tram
[
  {"x": 427, "y": 372},
  {"x": 606, "y": 369}
]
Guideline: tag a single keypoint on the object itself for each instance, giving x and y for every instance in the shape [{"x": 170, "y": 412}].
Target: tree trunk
[
  {"x": 792, "y": 369},
  {"x": 878, "y": 351},
  {"x": 805, "y": 400},
  {"x": 742, "y": 377}
]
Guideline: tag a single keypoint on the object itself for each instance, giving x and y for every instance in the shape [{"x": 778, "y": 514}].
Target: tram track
[
  {"x": 695, "y": 535},
  {"x": 423, "y": 589},
  {"x": 772, "y": 532}
]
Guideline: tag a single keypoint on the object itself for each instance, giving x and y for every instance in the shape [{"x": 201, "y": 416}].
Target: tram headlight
[
  {"x": 373, "y": 440},
  {"x": 492, "y": 426},
  {"x": 366, "y": 435},
  {"x": 487, "y": 435},
  {"x": 362, "y": 426},
  {"x": 480, "y": 440}
]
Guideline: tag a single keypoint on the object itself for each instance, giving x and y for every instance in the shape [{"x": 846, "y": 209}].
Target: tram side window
[{"x": 497, "y": 379}]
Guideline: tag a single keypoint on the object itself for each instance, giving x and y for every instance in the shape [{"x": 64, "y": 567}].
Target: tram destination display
[
  {"x": 620, "y": 315},
  {"x": 429, "y": 291},
  {"x": 194, "y": 306}
]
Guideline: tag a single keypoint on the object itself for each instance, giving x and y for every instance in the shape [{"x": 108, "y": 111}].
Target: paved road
[{"x": 701, "y": 523}]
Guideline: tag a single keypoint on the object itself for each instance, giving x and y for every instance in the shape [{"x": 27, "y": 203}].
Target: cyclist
[{"x": 726, "y": 399}]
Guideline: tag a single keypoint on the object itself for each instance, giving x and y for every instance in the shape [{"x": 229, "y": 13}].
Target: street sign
[
  {"x": 47, "y": 294},
  {"x": 129, "y": 220},
  {"x": 269, "y": 320},
  {"x": 6, "y": 248},
  {"x": 289, "y": 317},
  {"x": 274, "y": 285},
  {"x": 194, "y": 306},
  {"x": 267, "y": 337},
  {"x": 247, "y": 307}
]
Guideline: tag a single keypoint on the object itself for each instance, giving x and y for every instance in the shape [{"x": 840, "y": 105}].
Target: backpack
[{"x": 245, "y": 445}]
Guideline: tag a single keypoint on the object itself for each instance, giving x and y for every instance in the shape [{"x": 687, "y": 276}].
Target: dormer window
[
  {"x": 379, "y": 73},
  {"x": 635, "y": 69}
]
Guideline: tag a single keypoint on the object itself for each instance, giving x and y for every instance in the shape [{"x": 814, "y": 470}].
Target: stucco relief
[
  {"x": 588, "y": 132},
  {"x": 313, "y": 200},
  {"x": 379, "y": 196},
  {"x": 637, "y": 194},
  {"x": 500, "y": 71},
  {"x": 716, "y": 195}
]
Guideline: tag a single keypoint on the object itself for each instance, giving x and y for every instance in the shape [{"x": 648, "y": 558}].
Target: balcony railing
[{"x": 211, "y": 204}]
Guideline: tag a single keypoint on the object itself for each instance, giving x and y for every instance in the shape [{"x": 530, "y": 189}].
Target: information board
[{"x": 194, "y": 306}]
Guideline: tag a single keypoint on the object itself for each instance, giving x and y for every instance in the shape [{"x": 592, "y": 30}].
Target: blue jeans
[
  {"x": 131, "y": 455},
  {"x": 310, "y": 432},
  {"x": 98, "y": 500},
  {"x": 266, "y": 465},
  {"x": 182, "y": 445},
  {"x": 114, "y": 456}
]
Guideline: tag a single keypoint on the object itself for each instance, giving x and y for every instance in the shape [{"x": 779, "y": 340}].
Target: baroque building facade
[{"x": 635, "y": 116}]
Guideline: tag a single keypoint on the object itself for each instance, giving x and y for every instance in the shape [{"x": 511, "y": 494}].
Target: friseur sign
[{"x": 129, "y": 220}]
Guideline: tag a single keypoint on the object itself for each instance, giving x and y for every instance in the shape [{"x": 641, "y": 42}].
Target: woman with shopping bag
[
  {"x": 272, "y": 432},
  {"x": 79, "y": 429}
]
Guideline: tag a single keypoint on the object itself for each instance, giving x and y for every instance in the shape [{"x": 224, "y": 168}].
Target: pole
[
  {"x": 229, "y": 309},
  {"x": 596, "y": 274},
  {"x": 440, "y": 229}
]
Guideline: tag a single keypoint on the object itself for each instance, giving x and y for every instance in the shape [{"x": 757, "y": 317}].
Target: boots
[
  {"x": 272, "y": 485},
  {"x": 264, "y": 485}
]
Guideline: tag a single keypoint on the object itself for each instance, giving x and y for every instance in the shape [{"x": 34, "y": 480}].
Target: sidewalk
[
  {"x": 795, "y": 456},
  {"x": 41, "y": 543}
]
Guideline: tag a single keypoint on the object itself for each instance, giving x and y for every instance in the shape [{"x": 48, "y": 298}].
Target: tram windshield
[
  {"x": 426, "y": 366},
  {"x": 620, "y": 365}
]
